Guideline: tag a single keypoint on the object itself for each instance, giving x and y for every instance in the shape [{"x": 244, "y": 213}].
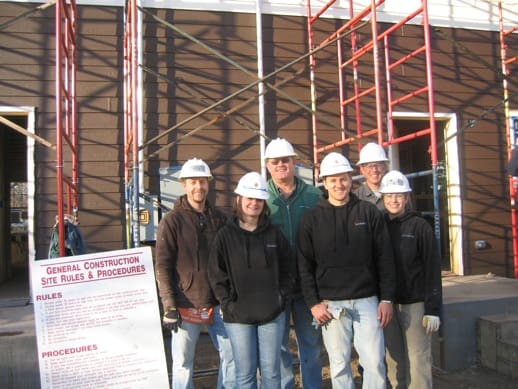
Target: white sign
[{"x": 97, "y": 321}]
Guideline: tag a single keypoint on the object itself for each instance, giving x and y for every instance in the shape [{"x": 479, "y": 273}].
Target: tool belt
[{"x": 197, "y": 315}]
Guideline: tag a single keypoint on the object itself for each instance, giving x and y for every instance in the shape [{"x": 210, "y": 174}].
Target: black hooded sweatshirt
[
  {"x": 418, "y": 263},
  {"x": 345, "y": 253},
  {"x": 250, "y": 272}
]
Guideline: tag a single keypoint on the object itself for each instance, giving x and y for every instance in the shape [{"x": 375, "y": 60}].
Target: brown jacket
[{"x": 183, "y": 243}]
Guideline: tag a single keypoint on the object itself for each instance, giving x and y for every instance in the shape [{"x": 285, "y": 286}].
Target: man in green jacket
[{"x": 289, "y": 198}]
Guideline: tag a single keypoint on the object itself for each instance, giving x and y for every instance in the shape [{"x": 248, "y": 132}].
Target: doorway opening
[
  {"x": 16, "y": 204},
  {"x": 413, "y": 159}
]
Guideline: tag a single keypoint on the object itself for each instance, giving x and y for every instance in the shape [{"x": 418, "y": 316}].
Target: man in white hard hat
[
  {"x": 183, "y": 242},
  {"x": 373, "y": 166},
  {"x": 346, "y": 267},
  {"x": 289, "y": 198}
]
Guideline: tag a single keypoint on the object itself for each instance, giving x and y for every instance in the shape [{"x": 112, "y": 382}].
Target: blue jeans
[
  {"x": 357, "y": 321},
  {"x": 257, "y": 346},
  {"x": 183, "y": 345},
  {"x": 309, "y": 342}
]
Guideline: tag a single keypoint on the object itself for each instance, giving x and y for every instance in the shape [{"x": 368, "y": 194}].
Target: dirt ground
[
  {"x": 205, "y": 376},
  {"x": 206, "y": 364}
]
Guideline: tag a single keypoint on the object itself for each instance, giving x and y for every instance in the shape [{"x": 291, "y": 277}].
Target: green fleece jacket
[{"x": 286, "y": 213}]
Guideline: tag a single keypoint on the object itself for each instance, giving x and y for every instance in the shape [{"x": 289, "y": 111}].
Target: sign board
[{"x": 98, "y": 322}]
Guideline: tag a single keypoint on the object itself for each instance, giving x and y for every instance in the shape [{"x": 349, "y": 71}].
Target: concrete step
[
  {"x": 507, "y": 356},
  {"x": 498, "y": 342},
  {"x": 465, "y": 300}
]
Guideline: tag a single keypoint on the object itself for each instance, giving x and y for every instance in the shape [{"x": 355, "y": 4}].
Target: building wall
[
  {"x": 27, "y": 58},
  {"x": 189, "y": 79}
]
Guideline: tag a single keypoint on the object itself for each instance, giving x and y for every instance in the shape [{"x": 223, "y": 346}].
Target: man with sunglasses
[
  {"x": 290, "y": 198},
  {"x": 184, "y": 237},
  {"x": 373, "y": 166}
]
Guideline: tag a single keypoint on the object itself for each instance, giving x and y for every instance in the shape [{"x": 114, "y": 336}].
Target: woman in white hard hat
[
  {"x": 249, "y": 273},
  {"x": 418, "y": 289}
]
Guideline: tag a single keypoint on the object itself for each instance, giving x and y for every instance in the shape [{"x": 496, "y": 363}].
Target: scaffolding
[
  {"x": 511, "y": 137},
  {"x": 66, "y": 118},
  {"x": 131, "y": 124},
  {"x": 134, "y": 145},
  {"x": 349, "y": 66},
  {"x": 366, "y": 55}
]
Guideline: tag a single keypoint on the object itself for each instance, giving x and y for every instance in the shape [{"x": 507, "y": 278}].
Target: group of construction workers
[{"x": 344, "y": 268}]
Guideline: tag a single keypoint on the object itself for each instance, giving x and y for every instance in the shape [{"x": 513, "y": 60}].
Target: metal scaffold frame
[
  {"x": 348, "y": 30},
  {"x": 351, "y": 63},
  {"x": 66, "y": 115},
  {"x": 131, "y": 125},
  {"x": 134, "y": 146},
  {"x": 513, "y": 181},
  {"x": 66, "y": 118},
  {"x": 384, "y": 63}
]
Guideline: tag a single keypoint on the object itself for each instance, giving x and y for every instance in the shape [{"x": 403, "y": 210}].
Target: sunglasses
[
  {"x": 276, "y": 161},
  {"x": 374, "y": 165}
]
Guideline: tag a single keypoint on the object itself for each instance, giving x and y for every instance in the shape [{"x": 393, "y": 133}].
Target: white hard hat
[
  {"x": 395, "y": 182},
  {"x": 252, "y": 185},
  {"x": 195, "y": 168},
  {"x": 334, "y": 163},
  {"x": 372, "y": 152},
  {"x": 279, "y": 148}
]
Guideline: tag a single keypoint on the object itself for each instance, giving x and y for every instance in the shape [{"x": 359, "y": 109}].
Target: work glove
[
  {"x": 431, "y": 323},
  {"x": 172, "y": 320}
]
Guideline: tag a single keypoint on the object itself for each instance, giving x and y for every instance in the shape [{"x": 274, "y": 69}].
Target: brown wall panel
[
  {"x": 30, "y": 41},
  {"x": 42, "y": 55},
  {"x": 99, "y": 43},
  {"x": 102, "y": 201},
  {"x": 105, "y": 168},
  {"x": 299, "y": 119},
  {"x": 211, "y": 135},
  {"x": 100, "y": 71},
  {"x": 47, "y": 89},
  {"x": 111, "y": 136},
  {"x": 466, "y": 83},
  {"x": 88, "y": 184},
  {"x": 40, "y": 24},
  {"x": 23, "y": 72},
  {"x": 92, "y": 217}
]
